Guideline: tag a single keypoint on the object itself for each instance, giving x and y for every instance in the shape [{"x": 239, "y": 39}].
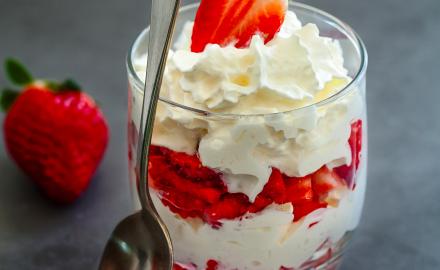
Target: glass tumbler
[{"x": 314, "y": 156}]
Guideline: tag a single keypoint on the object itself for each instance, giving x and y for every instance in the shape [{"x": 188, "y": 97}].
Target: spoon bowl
[{"x": 138, "y": 242}]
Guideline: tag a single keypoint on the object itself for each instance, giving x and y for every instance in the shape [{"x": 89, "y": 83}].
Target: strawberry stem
[
  {"x": 7, "y": 98},
  {"x": 69, "y": 85},
  {"x": 17, "y": 73}
]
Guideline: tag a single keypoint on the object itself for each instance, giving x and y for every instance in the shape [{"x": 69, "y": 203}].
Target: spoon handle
[{"x": 163, "y": 19}]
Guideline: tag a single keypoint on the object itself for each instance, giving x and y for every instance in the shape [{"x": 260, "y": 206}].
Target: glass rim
[{"x": 337, "y": 23}]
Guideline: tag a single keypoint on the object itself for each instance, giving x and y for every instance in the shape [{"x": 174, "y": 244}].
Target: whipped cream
[
  {"x": 295, "y": 69},
  {"x": 292, "y": 67}
]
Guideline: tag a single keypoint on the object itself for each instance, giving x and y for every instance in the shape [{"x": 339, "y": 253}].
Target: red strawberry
[
  {"x": 301, "y": 210},
  {"x": 275, "y": 188},
  {"x": 325, "y": 180},
  {"x": 54, "y": 132},
  {"x": 178, "y": 267},
  {"x": 191, "y": 166},
  {"x": 212, "y": 265},
  {"x": 273, "y": 191},
  {"x": 299, "y": 190},
  {"x": 224, "y": 22},
  {"x": 232, "y": 205},
  {"x": 347, "y": 172},
  {"x": 260, "y": 203},
  {"x": 183, "y": 203},
  {"x": 187, "y": 188},
  {"x": 211, "y": 195}
]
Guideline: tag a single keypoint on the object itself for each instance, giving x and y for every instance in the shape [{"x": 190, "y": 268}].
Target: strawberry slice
[
  {"x": 224, "y": 22},
  {"x": 347, "y": 172},
  {"x": 324, "y": 180}
]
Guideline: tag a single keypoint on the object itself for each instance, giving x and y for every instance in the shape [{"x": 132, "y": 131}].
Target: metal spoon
[{"x": 141, "y": 241}]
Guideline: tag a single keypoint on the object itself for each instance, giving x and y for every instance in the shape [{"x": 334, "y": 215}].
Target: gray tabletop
[{"x": 88, "y": 40}]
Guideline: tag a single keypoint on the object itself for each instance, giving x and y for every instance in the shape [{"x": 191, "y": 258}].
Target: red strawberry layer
[
  {"x": 347, "y": 172},
  {"x": 192, "y": 190}
]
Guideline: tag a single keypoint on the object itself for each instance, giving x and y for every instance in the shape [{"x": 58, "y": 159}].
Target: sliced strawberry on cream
[{"x": 225, "y": 22}]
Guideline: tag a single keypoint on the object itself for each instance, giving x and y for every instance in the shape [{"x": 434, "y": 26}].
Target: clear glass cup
[{"x": 264, "y": 235}]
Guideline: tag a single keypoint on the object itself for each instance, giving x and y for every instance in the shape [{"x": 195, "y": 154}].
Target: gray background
[{"x": 88, "y": 40}]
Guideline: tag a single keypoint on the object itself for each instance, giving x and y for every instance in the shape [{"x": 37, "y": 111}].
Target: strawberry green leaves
[
  {"x": 20, "y": 76},
  {"x": 7, "y": 98},
  {"x": 66, "y": 85},
  {"x": 69, "y": 85},
  {"x": 17, "y": 73}
]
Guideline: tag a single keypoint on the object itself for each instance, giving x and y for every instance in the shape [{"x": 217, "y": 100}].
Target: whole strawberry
[{"x": 55, "y": 133}]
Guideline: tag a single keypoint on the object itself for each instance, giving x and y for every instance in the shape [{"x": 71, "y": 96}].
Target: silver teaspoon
[{"x": 142, "y": 241}]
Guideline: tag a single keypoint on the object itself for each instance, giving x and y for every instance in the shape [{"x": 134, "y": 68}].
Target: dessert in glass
[{"x": 258, "y": 156}]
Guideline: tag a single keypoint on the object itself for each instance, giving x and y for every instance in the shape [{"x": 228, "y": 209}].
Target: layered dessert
[{"x": 257, "y": 159}]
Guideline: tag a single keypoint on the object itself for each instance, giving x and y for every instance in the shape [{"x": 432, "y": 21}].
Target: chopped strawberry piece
[
  {"x": 230, "y": 206},
  {"x": 183, "y": 204},
  {"x": 275, "y": 187},
  {"x": 260, "y": 203},
  {"x": 347, "y": 172},
  {"x": 184, "y": 160},
  {"x": 178, "y": 267},
  {"x": 301, "y": 210},
  {"x": 225, "y": 22},
  {"x": 299, "y": 190},
  {"x": 212, "y": 265},
  {"x": 188, "y": 165},
  {"x": 155, "y": 151},
  {"x": 324, "y": 180},
  {"x": 177, "y": 177},
  {"x": 273, "y": 191},
  {"x": 210, "y": 195}
]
